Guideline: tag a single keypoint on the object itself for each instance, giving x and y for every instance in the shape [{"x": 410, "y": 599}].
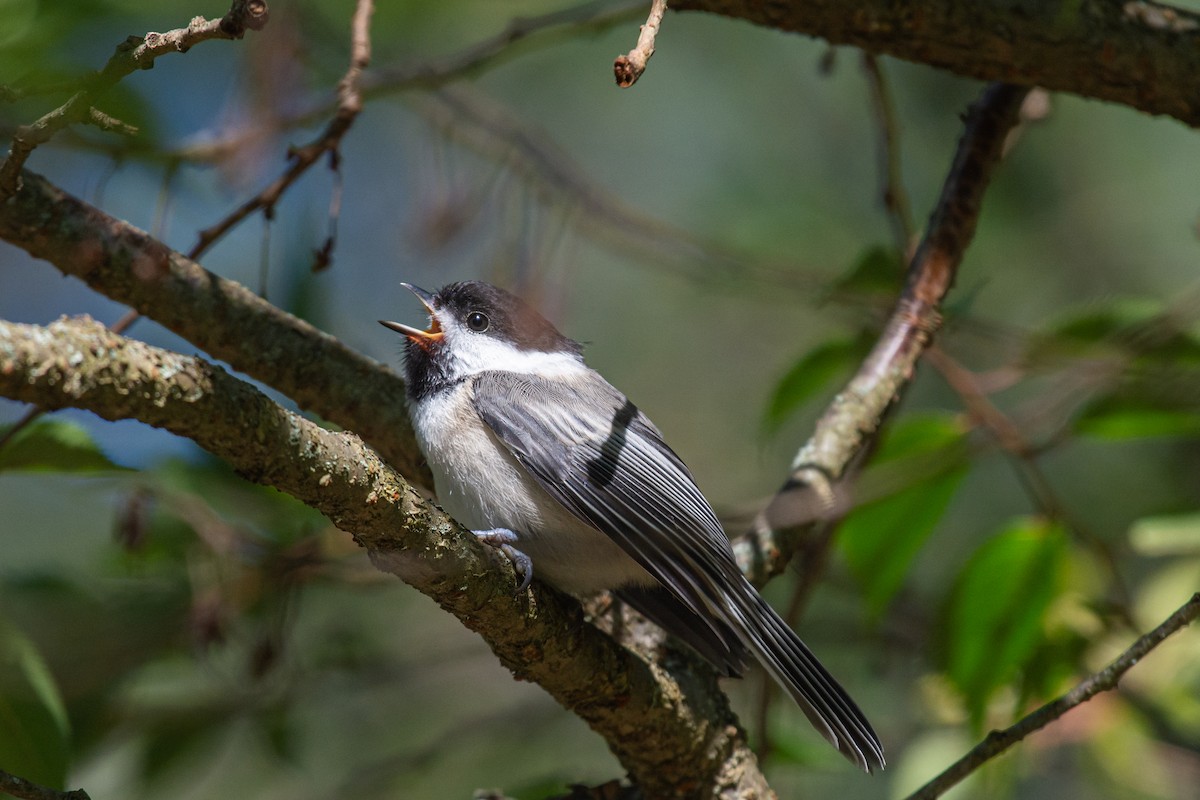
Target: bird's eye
[{"x": 478, "y": 321}]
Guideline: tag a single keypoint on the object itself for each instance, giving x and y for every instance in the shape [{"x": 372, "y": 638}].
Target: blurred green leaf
[
  {"x": 34, "y": 734},
  {"x": 878, "y": 269},
  {"x": 879, "y": 539},
  {"x": 1136, "y": 325},
  {"x": 813, "y": 372},
  {"x": 995, "y": 615},
  {"x": 55, "y": 445},
  {"x": 1107, "y": 422}
]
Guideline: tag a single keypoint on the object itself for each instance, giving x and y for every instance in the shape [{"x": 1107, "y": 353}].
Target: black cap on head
[{"x": 509, "y": 317}]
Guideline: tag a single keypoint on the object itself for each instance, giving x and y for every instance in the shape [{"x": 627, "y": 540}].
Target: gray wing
[{"x": 651, "y": 507}]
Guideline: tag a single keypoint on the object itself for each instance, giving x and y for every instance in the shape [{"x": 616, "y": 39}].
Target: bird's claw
[{"x": 503, "y": 539}]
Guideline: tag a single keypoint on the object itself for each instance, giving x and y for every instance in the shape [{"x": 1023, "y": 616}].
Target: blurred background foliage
[{"x": 717, "y": 236}]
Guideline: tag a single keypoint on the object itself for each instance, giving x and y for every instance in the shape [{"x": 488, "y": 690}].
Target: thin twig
[
  {"x": 350, "y": 104},
  {"x": 136, "y": 52},
  {"x": 28, "y": 790},
  {"x": 850, "y": 423},
  {"x": 629, "y": 67},
  {"x": 1105, "y": 680},
  {"x": 895, "y": 198}
]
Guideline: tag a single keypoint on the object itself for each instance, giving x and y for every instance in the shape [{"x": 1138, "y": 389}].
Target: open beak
[{"x": 422, "y": 338}]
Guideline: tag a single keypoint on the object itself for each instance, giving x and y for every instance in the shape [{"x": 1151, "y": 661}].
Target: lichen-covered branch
[
  {"x": 668, "y": 722},
  {"x": 217, "y": 315},
  {"x": 1141, "y": 54}
]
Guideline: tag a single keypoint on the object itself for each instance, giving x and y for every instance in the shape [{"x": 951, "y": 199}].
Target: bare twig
[
  {"x": 106, "y": 122},
  {"x": 350, "y": 103},
  {"x": 629, "y": 67},
  {"x": 852, "y": 419},
  {"x": 133, "y": 54},
  {"x": 28, "y": 790},
  {"x": 1104, "y": 680},
  {"x": 895, "y": 198}
]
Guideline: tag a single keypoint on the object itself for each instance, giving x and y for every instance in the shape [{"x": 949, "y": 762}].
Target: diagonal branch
[
  {"x": 669, "y": 723},
  {"x": 217, "y": 315},
  {"x": 848, "y": 426},
  {"x": 133, "y": 54},
  {"x": 1103, "y": 681}
]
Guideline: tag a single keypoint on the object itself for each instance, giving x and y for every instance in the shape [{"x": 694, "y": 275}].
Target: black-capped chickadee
[{"x": 543, "y": 458}]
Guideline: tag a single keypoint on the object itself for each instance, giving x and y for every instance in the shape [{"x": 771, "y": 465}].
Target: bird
[{"x": 541, "y": 457}]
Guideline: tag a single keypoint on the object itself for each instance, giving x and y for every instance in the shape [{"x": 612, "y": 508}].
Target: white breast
[{"x": 483, "y": 486}]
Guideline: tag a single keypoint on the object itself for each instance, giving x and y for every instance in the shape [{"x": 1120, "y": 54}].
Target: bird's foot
[{"x": 503, "y": 540}]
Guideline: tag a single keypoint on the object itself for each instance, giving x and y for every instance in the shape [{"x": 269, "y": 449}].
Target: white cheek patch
[{"x": 478, "y": 352}]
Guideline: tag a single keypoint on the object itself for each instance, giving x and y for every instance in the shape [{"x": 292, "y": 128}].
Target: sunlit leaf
[
  {"x": 880, "y": 539},
  {"x": 34, "y": 735},
  {"x": 996, "y": 610},
  {"x": 812, "y": 373}
]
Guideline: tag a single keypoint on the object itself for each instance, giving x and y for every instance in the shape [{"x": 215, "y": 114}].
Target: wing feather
[{"x": 611, "y": 468}]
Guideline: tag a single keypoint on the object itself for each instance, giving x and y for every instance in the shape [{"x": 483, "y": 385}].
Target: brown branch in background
[
  {"x": 349, "y": 106},
  {"x": 28, "y": 790},
  {"x": 1104, "y": 680},
  {"x": 133, "y": 54},
  {"x": 629, "y": 67},
  {"x": 848, "y": 426},
  {"x": 669, "y": 724},
  {"x": 895, "y": 198}
]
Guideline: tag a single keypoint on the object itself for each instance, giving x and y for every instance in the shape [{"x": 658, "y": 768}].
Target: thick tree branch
[
  {"x": 852, "y": 419},
  {"x": 217, "y": 315},
  {"x": 1103, "y": 681},
  {"x": 1145, "y": 55},
  {"x": 668, "y": 722},
  {"x": 136, "y": 52}
]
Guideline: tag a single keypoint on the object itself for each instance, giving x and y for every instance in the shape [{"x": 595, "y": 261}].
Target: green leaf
[
  {"x": 34, "y": 734},
  {"x": 813, "y": 372},
  {"x": 1109, "y": 422},
  {"x": 880, "y": 539},
  {"x": 54, "y": 445},
  {"x": 1133, "y": 325},
  {"x": 997, "y": 609},
  {"x": 878, "y": 269}
]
